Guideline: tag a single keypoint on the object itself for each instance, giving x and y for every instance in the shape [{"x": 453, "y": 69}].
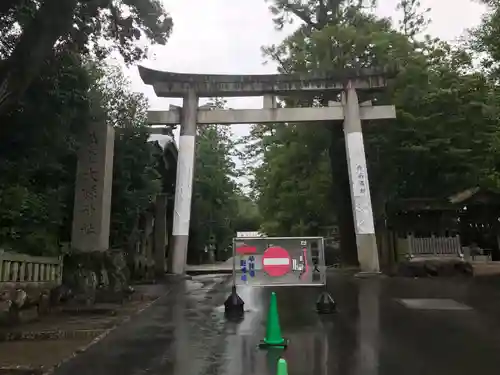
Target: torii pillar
[
  {"x": 184, "y": 182},
  {"x": 366, "y": 241}
]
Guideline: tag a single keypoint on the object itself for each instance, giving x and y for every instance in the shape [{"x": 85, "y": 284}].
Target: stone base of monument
[{"x": 96, "y": 277}]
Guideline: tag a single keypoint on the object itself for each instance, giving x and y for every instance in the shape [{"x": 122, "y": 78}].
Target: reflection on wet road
[{"x": 374, "y": 332}]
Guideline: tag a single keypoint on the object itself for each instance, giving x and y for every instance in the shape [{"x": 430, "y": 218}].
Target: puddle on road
[{"x": 193, "y": 285}]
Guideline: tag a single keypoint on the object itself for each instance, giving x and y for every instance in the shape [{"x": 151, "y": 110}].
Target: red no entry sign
[{"x": 276, "y": 261}]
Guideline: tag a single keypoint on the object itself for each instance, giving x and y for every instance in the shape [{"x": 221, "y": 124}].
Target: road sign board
[
  {"x": 276, "y": 261},
  {"x": 279, "y": 261}
]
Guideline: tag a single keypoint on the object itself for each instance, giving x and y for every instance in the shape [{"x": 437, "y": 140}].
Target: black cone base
[
  {"x": 325, "y": 304},
  {"x": 266, "y": 345},
  {"x": 234, "y": 306}
]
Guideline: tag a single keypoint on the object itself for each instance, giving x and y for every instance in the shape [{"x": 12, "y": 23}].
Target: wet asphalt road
[{"x": 373, "y": 332}]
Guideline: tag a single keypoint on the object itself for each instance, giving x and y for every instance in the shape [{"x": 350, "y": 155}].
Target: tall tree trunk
[
  {"x": 53, "y": 20},
  {"x": 342, "y": 194}
]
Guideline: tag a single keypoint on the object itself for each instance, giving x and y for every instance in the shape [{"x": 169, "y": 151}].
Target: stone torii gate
[{"x": 191, "y": 87}]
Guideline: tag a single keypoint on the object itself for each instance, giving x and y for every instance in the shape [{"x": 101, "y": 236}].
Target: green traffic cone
[
  {"x": 282, "y": 368},
  {"x": 273, "y": 330}
]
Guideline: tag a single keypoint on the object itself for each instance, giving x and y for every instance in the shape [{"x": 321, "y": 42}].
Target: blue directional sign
[
  {"x": 247, "y": 268},
  {"x": 243, "y": 265},
  {"x": 251, "y": 266}
]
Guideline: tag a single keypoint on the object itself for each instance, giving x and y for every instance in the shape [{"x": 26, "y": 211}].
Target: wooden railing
[
  {"x": 434, "y": 246},
  {"x": 22, "y": 268}
]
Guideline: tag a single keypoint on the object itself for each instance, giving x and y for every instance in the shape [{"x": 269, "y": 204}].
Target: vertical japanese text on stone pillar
[
  {"x": 93, "y": 190},
  {"x": 89, "y": 186}
]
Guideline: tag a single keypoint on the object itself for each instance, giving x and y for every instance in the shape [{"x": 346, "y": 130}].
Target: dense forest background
[{"x": 445, "y": 138}]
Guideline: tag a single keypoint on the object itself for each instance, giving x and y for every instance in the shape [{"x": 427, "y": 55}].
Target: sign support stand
[
  {"x": 234, "y": 304},
  {"x": 325, "y": 303}
]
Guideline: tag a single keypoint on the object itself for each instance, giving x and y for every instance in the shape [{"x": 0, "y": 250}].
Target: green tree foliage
[
  {"x": 293, "y": 182},
  {"x": 38, "y": 154},
  {"x": 444, "y": 138},
  {"x": 37, "y": 157},
  {"x": 31, "y": 31},
  {"x": 248, "y": 215},
  {"x": 314, "y": 14},
  {"x": 414, "y": 20},
  {"x": 485, "y": 45},
  {"x": 484, "y": 38},
  {"x": 136, "y": 180},
  {"x": 215, "y": 190}
]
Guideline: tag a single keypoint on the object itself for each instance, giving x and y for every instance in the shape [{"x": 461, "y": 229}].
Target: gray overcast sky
[{"x": 225, "y": 36}]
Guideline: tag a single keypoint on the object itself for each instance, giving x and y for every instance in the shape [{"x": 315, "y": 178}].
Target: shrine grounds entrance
[{"x": 348, "y": 111}]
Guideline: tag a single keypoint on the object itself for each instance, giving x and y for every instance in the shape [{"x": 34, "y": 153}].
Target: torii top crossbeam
[{"x": 175, "y": 85}]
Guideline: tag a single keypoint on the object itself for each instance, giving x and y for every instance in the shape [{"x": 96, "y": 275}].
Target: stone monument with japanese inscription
[{"x": 94, "y": 178}]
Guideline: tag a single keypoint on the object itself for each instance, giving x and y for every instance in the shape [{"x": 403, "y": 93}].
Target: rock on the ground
[{"x": 23, "y": 303}]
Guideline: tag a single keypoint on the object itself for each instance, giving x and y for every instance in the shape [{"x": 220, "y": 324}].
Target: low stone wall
[
  {"x": 27, "y": 284},
  {"x": 33, "y": 286}
]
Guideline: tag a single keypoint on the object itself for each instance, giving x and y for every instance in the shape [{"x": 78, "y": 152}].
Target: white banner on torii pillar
[{"x": 360, "y": 185}]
